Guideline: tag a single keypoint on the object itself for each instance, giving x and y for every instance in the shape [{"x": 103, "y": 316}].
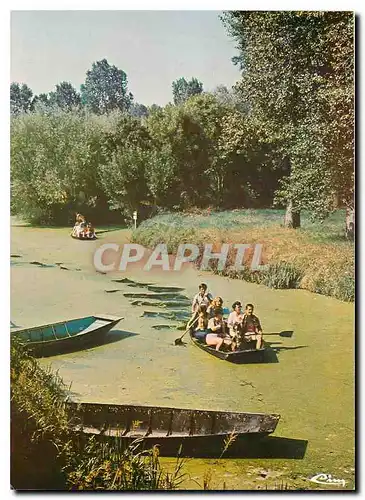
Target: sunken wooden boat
[
  {"x": 66, "y": 336},
  {"x": 247, "y": 355},
  {"x": 201, "y": 432}
]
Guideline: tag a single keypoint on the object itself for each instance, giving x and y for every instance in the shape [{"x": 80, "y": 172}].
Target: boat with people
[
  {"x": 169, "y": 428},
  {"x": 65, "y": 336},
  {"x": 243, "y": 355},
  {"x": 238, "y": 339},
  {"x": 82, "y": 229}
]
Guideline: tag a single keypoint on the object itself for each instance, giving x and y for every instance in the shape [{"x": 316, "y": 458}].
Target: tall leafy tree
[
  {"x": 138, "y": 110},
  {"x": 297, "y": 79},
  {"x": 20, "y": 98},
  {"x": 65, "y": 96},
  {"x": 184, "y": 157},
  {"x": 124, "y": 166},
  {"x": 183, "y": 89},
  {"x": 106, "y": 89}
]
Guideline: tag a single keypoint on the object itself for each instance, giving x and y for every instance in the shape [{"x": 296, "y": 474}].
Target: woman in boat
[
  {"x": 219, "y": 334},
  {"x": 217, "y": 303},
  {"x": 202, "y": 326}
]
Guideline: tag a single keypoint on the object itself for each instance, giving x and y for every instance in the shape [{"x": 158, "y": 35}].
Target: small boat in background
[
  {"x": 198, "y": 431},
  {"x": 79, "y": 233},
  {"x": 65, "y": 336},
  {"x": 240, "y": 356}
]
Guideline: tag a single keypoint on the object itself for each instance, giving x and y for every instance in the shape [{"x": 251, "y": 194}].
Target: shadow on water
[
  {"x": 267, "y": 447},
  {"x": 246, "y": 446},
  {"x": 109, "y": 338},
  {"x": 157, "y": 296},
  {"x": 163, "y": 305},
  {"x": 175, "y": 289},
  {"x": 111, "y": 230},
  {"x": 117, "y": 335},
  {"x": 173, "y": 315}
]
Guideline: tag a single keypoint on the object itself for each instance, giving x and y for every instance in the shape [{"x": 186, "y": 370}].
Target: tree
[
  {"x": 297, "y": 79},
  {"x": 183, "y": 89},
  {"x": 105, "y": 89},
  {"x": 123, "y": 170},
  {"x": 138, "y": 110},
  {"x": 229, "y": 98},
  {"x": 20, "y": 98},
  {"x": 54, "y": 165},
  {"x": 65, "y": 97},
  {"x": 184, "y": 156}
]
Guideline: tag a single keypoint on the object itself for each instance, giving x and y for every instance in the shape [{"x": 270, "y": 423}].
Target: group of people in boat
[
  {"x": 241, "y": 330},
  {"x": 83, "y": 229}
]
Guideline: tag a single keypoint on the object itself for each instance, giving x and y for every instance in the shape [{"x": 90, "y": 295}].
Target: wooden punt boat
[
  {"x": 82, "y": 236},
  {"x": 198, "y": 431},
  {"x": 65, "y": 336},
  {"x": 250, "y": 355}
]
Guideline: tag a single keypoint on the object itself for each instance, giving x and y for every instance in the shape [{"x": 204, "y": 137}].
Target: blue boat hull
[{"x": 68, "y": 336}]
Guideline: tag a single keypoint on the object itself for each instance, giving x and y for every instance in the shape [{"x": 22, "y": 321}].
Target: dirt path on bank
[{"x": 311, "y": 384}]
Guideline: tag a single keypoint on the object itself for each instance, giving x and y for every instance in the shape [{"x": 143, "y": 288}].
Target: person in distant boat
[
  {"x": 217, "y": 303},
  {"x": 81, "y": 230},
  {"x": 235, "y": 321},
  {"x": 251, "y": 327},
  {"x": 203, "y": 297},
  {"x": 90, "y": 231},
  {"x": 80, "y": 218},
  {"x": 218, "y": 334},
  {"x": 200, "y": 331}
]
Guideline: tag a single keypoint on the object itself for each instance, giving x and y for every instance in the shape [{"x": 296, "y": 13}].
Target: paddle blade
[{"x": 288, "y": 334}]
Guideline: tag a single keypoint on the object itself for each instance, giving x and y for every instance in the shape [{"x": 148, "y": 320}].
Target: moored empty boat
[
  {"x": 66, "y": 336},
  {"x": 199, "y": 430}
]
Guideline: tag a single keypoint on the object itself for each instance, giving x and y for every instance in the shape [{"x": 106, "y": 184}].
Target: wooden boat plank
[{"x": 152, "y": 421}]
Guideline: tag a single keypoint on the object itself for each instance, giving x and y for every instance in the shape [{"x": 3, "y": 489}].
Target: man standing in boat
[{"x": 203, "y": 297}]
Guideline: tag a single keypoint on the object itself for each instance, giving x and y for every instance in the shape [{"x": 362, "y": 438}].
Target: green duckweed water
[{"x": 309, "y": 381}]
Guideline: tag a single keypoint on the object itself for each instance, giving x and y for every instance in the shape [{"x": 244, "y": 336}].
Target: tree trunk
[
  {"x": 292, "y": 217},
  {"x": 350, "y": 223}
]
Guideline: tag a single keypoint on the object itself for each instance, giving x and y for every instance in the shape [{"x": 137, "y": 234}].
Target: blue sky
[{"x": 152, "y": 47}]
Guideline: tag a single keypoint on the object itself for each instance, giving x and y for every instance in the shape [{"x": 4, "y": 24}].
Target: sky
[{"x": 154, "y": 48}]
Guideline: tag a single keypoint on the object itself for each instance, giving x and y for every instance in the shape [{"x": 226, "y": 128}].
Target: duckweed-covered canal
[{"x": 308, "y": 379}]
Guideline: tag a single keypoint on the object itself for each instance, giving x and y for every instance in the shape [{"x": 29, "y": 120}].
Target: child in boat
[
  {"x": 235, "y": 320},
  {"x": 203, "y": 297},
  {"x": 251, "y": 327},
  {"x": 217, "y": 327},
  {"x": 202, "y": 324}
]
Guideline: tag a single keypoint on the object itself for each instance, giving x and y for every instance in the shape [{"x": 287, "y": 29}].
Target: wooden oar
[
  {"x": 287, "y": 334},
  {"x": 190, "y": 324}
]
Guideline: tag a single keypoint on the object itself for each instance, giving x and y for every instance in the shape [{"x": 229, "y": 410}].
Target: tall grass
[
  {"x": 46, "y": 454},
  {"x": 315, "y": 257}
]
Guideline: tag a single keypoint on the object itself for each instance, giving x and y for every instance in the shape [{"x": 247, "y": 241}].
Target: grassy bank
[
  {"x": 45, "y": 454},
  {"x": 316, "y": 257}
]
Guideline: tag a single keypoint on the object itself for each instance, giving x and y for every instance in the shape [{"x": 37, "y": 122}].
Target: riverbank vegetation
[
  {"x": 45, "y": 454},
  {"x": 283, "y": 136},
  {"x": 316, "y": 257}
]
